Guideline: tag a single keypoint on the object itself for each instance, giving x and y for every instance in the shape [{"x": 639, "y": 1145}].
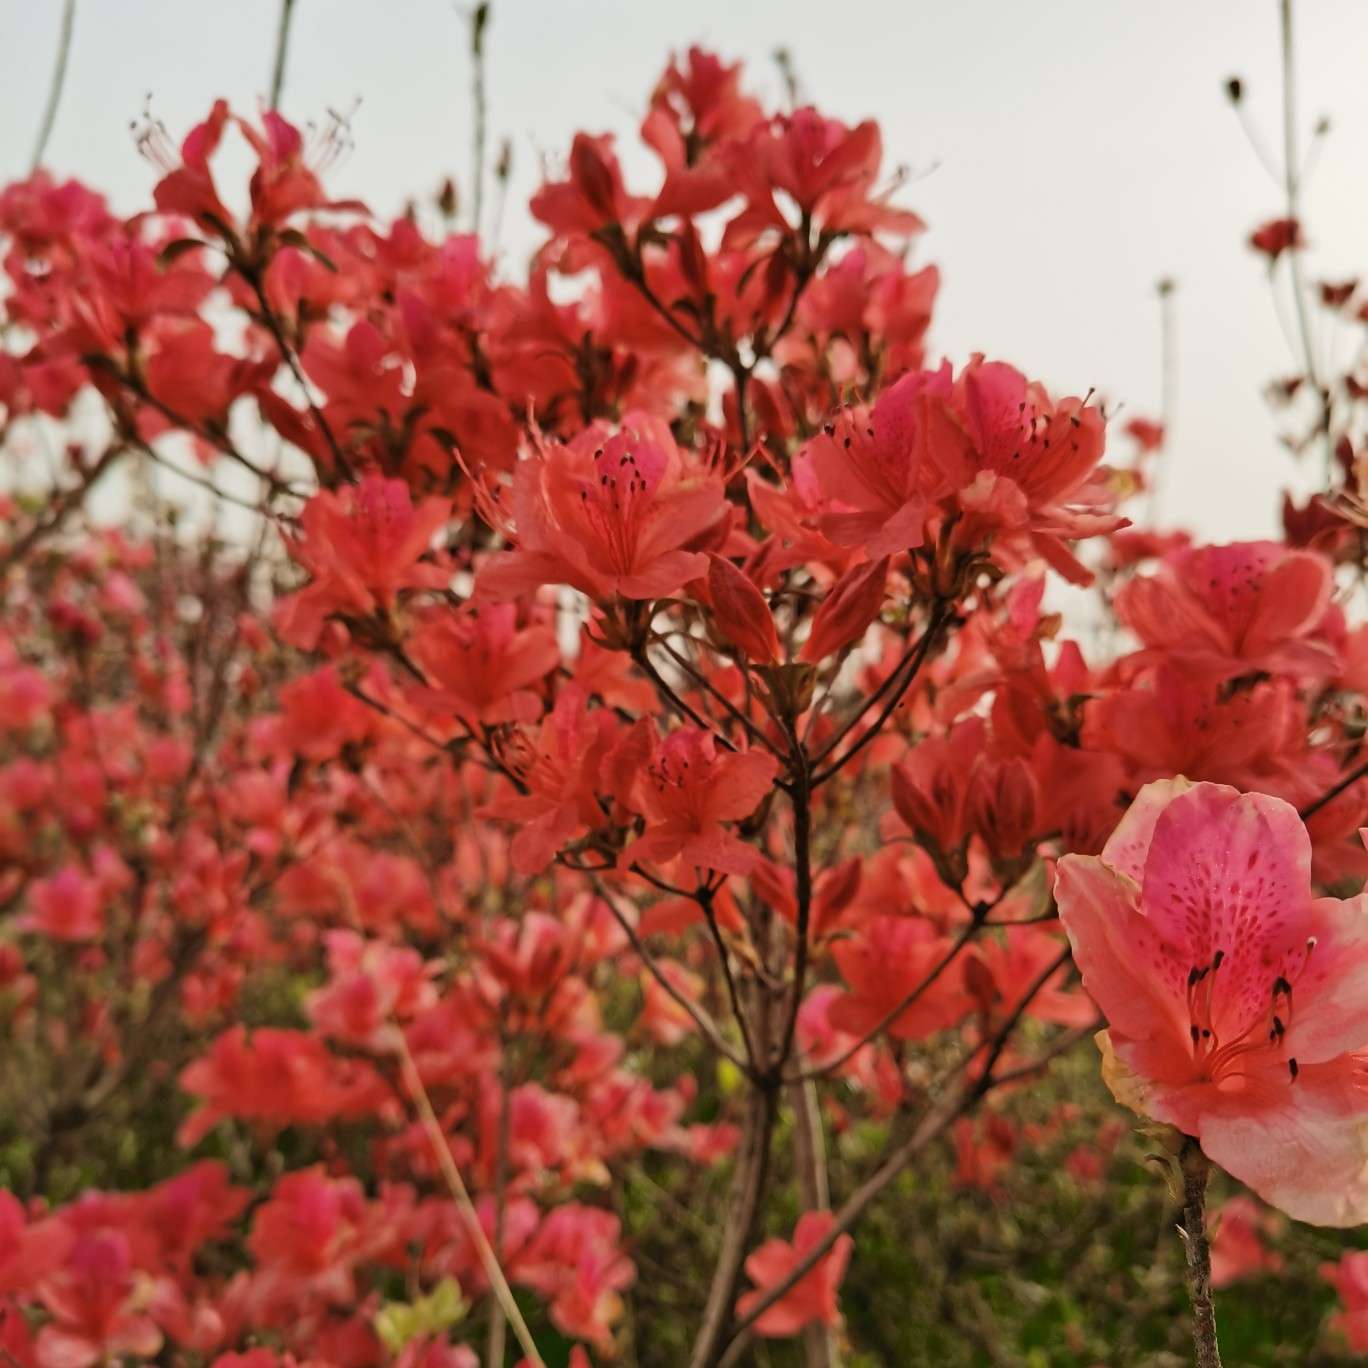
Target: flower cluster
[{"x": 655, "y": 668}]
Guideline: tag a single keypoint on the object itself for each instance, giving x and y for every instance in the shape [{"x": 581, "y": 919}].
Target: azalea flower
[
  {"x": 812, "y": 1299},
  {"x": 1349, "y": 1278},
  {"x": 887, "y": 959},
  {"x": 611, "y": 514},
  {"x": 874, "y": 465},
  {"x": 68, "y": 906},
  {"x": 559, "y": 771},
  {"x": 687, "y": 791},
  {"x": 825, "y": 168},
  {"x": 1237, "y": 1001},
  {"x": 482, "y": 663},
  {"x": 91, "y": 1301},
  {"x": 1222, "y": 611},
  {"x": 1023, "y": 463},
  {"x": 362, "y": 546},
  {"x": 1237, "y": 1243}
]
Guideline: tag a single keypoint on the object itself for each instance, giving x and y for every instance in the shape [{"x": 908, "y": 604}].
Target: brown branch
[
  {"x": 800, "y": 794},
  {"x": 61, "y": 508},
  {"x": 810, "y": 1161},
  {"x": 708, "y": 1028},
  {"x": 933, "y": 1124},
  {"x": 913, "y": 660},
  {"x": 1196, "y": 1169},
  {"x": 748, "y": 1187},
  {"x": 1330, "y": 794}
]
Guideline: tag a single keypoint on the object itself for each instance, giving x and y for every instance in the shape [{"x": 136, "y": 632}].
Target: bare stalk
[
  {"x": 1292, "y": 191},
  {"x": 442, "y": 1153},
  {"x": 54, "y": 98},
  {"x": 809, "y": 1158},
  {"x": 479, "y": 22},
  {"x": 282, "y": 49},
  {"x": 1168, "y": 382},
  {"x": 498, "y": 1322}
]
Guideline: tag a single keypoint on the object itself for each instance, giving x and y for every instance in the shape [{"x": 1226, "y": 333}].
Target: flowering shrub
[{"x": 632, "y": 739}]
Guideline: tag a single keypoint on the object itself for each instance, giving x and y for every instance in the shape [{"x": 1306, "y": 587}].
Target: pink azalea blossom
[{"x": 1237, "y": 1002}]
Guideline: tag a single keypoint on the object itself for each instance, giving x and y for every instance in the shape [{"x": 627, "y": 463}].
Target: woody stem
[
  {"x": 749, "y": 1182},
  {"x": 1196, "y": 1169}
]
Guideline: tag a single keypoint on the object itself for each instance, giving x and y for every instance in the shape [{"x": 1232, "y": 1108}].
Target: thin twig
[
  {"x": 913, "y": 660},
  {"x": 671, "y": 696},
  {"x": 706, "y": 1025},
  {"x": 59, "y": 71},
  {"x": 1061, "y": 1044},
  {"x": 1330, "y": 794},
  {"x": 1292, "y": 188},
  {"x": 498, "y": 1322},
  {"x": 713, "y": 692},
  {"x": 479, "y": 22},
  {"x": 287, "y": 354},
  {"x": 282, "y": 48},
  {"x": 1168, "y": 387},
  {"x": 203, "y": 482},
  {"x": 63, "y": 505},
  {"x": 704, "y": 898},
  {"x": 442, "y": 1153}
]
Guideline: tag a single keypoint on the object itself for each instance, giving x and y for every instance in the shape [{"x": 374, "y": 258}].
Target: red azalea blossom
[
  {"x": 687, "y": 790},
  {"x": 360, "y": 548},
  {"x": 812, "y": 1299},
  {"x": 608, "y": 513}
]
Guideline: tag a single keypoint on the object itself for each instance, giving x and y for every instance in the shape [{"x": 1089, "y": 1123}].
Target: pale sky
[{"x": 1066, "y": 153}]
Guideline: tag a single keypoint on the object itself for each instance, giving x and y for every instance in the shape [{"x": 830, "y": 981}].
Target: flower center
[{"x": 1265, "y": 1030}]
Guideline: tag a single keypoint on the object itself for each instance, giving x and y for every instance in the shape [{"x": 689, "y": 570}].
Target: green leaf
[{"x": 399, "y": 1323}]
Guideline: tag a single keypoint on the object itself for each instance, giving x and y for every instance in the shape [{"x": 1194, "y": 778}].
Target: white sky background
[{"x": 1066, "y": 155}]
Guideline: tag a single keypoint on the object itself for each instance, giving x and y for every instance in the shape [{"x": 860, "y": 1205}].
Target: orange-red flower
[
  {"x": 361, "y": 546},
  {"x": 687, "y": 791},
  {"x": 812, "y": 1299},
  {"x": 612, "y": 514}
]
